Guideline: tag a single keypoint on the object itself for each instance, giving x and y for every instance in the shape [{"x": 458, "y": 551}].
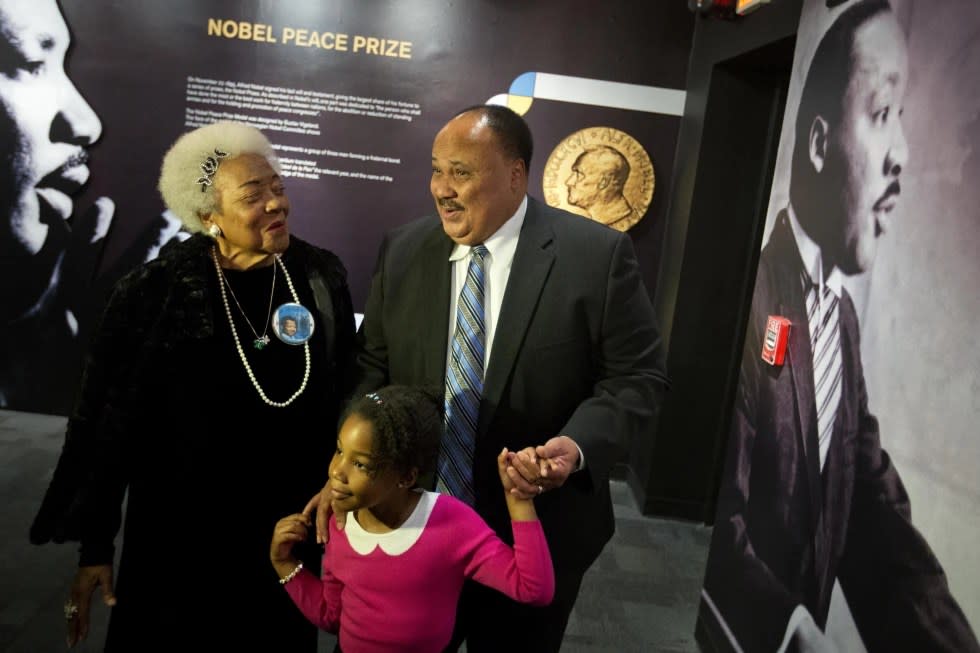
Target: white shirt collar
[
  {"x": 502, "y": 242},
  {"x": 394, "y": 542},
  {"x": 811, "y": 255}
]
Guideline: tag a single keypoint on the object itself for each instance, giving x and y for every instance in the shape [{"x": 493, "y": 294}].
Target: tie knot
[
  {"x": 479, "y": 251},
  {"x": 811, "y": 284}
]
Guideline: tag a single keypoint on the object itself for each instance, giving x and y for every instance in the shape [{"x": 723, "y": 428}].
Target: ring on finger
[
  {"x": 540, "y": 489},
  {"x": 71, "y": 609}
]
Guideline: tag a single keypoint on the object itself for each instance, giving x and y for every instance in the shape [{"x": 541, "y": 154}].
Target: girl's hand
[
  {"x": 288, "y": 531},
  {"x": 519, "y": 465},
  {"x": 520, "y": 506},
  {"x": 503, "y": 462}
]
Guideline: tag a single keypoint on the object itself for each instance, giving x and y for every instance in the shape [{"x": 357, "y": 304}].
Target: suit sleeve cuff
[{"x": 581, "y": 458}]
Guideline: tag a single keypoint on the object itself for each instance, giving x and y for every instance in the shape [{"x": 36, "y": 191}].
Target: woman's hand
[
  {"x": 79, "y": 606},
  {"x": 323, "y": 514}
]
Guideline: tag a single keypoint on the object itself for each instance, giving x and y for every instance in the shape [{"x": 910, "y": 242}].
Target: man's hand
[
  {"x": 82, "y": 587},
  {"x": 562, "y": 453},
  {"x": 535, "y": 470},
  {"x": 323, "y": 516}
]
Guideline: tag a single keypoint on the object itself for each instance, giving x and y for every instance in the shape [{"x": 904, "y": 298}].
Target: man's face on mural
[
  {"x": 867, "y": 150},
  {"x": 45, "y": 126}
]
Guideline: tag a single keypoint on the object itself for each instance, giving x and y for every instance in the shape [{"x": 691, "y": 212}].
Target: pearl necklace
[{"x": 238, "y": 344}]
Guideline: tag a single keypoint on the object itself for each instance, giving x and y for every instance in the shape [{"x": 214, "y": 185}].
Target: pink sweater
[{"x": 398, "y": 591}]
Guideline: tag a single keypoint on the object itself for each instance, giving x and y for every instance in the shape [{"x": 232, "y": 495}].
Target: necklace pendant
[{"x": 260, "y": 343}]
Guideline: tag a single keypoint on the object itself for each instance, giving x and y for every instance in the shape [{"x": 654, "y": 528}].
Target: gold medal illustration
[{"x": 601, "y": 173}]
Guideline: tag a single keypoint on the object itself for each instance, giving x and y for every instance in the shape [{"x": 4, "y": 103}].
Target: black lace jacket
[{"x": 153, "y": 310}]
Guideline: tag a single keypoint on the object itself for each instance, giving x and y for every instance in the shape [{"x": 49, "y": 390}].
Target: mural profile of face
[
  {"x": 866, "y": 151},
  {"x": 45, "y": 126}
]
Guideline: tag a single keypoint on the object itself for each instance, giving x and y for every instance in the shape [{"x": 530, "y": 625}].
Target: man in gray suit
[{"x": 574, "y": 361}]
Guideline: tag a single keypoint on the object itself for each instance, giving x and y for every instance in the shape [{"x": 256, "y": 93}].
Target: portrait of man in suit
[
  {"x": 567, "y": 370},
  {"x": 809, "y": 498}
]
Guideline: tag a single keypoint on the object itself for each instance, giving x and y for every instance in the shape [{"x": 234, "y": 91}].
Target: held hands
[
  {"x": 521, "y": 508},
  {"x": 288, "y": 531},
  {"x": 324, "y": 498},
  {"x": 504, "y": 462},
  {"x": 79, "y": 606},
  {"x": 535, "y": 470}
]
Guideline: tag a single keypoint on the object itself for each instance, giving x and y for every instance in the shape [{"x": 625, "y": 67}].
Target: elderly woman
[{"x": 213, "y": 425}]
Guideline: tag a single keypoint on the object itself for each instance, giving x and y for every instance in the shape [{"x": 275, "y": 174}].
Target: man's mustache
[
  {"x": 451, "y": 205},
  {"x": 57, "y": 177}
]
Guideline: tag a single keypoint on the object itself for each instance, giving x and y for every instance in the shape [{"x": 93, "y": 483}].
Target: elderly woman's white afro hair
[{"x": 181, "y": 170}]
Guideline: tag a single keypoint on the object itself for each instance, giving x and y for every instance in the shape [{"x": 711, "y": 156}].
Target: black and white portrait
[
  {"x": 823, "y": 539},
  {"x": 52, "y": 285}
]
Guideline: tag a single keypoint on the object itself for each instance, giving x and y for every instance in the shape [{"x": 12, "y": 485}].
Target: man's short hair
[
  {"x": 510, "y": 128},
  {"x": 830, "y": 72}
]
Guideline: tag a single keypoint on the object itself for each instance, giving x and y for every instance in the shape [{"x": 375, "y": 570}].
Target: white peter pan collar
[{"x": 401, "y": 539}]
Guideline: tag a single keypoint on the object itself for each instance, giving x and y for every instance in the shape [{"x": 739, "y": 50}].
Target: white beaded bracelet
[{"x": 291, "y": 575}]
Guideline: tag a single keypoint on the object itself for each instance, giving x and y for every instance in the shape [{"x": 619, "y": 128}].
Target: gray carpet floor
[{"x": 641, "y": 595}]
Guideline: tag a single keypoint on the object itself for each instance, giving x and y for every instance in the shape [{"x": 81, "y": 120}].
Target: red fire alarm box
[{"x": 774, "y": 340}]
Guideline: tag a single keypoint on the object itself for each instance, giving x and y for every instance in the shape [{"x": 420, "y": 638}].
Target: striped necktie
[
  {"x": 464, "y": 385},
  {"x": 825, "y": 344}
]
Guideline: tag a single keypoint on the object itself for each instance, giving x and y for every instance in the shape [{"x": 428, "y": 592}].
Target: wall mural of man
[
  {"x": 809, "y": 497},
  {"x": 45, "y": 128},
  {"x": 49, "y": 253}
]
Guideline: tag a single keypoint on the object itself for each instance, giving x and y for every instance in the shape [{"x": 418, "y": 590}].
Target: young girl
[{"x": 392, "y": 577}]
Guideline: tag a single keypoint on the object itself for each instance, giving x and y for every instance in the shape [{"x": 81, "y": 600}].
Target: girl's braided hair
[{"x": 406, "y": 423}]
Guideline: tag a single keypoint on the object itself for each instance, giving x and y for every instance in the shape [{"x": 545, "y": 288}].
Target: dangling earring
[{"x": 214, "y": 231}]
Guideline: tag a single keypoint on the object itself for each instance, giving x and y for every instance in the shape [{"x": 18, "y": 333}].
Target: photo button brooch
[{"x": 292, "y": 324}]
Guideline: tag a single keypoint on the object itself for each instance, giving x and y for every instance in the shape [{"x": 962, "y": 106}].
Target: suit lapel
[
  {"x": 432, "y": 261},
  {"x": 532, "y": 261},
  {"x": 793, "y": 306}
]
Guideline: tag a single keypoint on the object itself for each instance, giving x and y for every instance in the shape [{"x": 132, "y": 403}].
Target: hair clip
[
  {"x": 209, "y": 166},
  {"x": 373, "y": 396}
]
